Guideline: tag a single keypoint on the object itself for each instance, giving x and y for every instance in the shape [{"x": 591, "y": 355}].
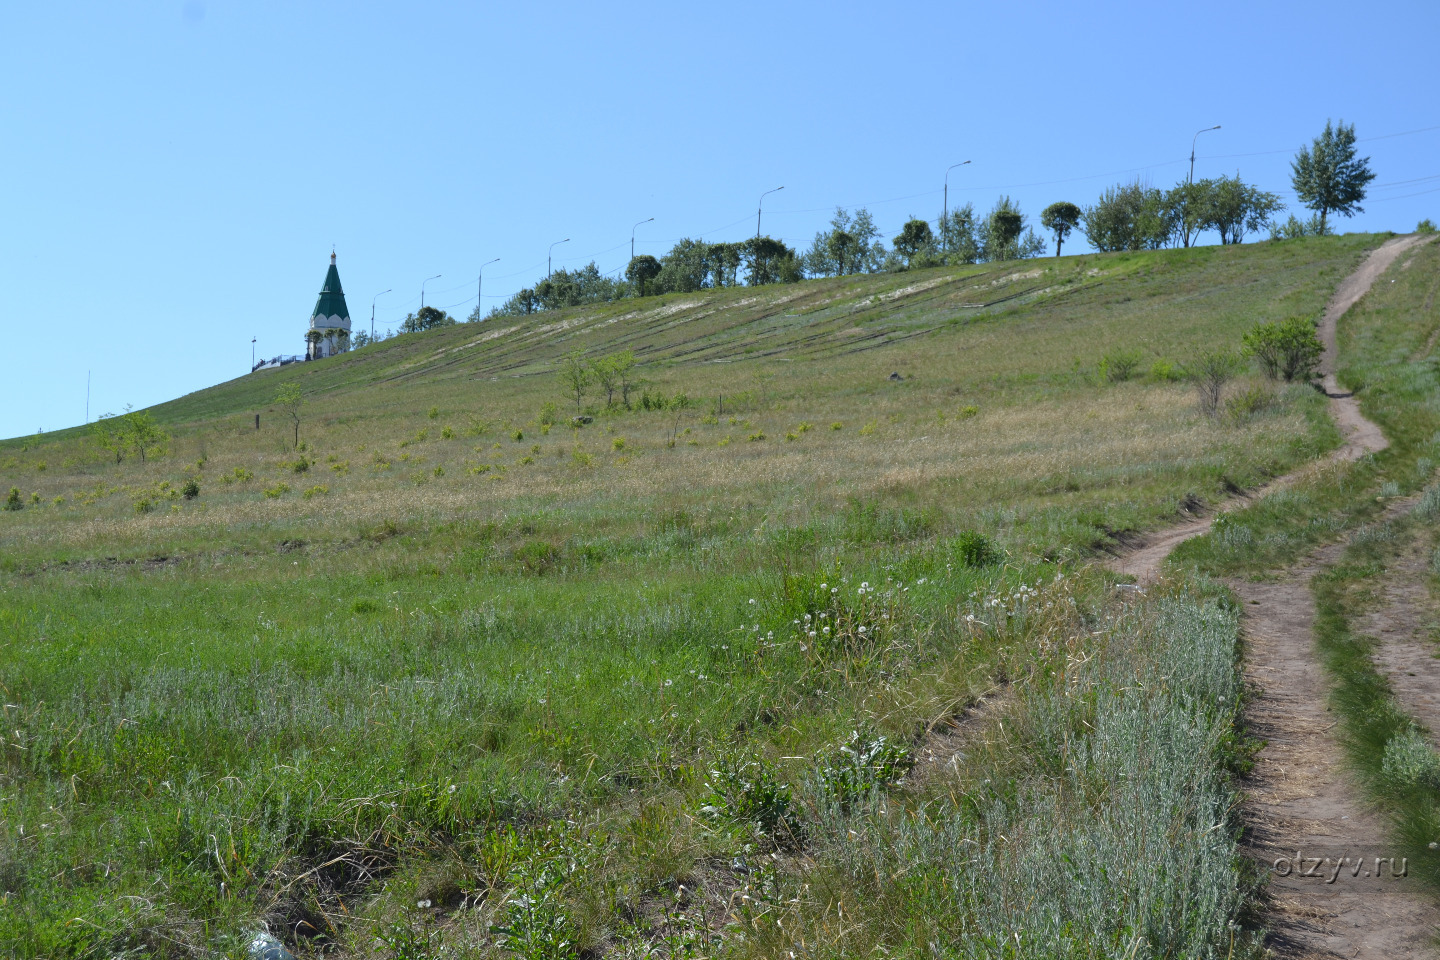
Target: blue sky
[{"x": 173, "y": 175}]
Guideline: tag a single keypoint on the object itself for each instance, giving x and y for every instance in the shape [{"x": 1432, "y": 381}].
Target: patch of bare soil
[
  {"x": 1331, "y": 891},
  {"x": 1405, "y": 622}
]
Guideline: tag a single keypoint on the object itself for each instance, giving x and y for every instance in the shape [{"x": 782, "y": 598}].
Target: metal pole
[
  {"x": 1190, "y": 181},
  {"x": 945, "y": 210},
  {"x": 760, "y": 206},
  {"x": 549, "y": 252},
  {"x": 480, "y": 287},
  {"x": 87, "y": 383},
  {"x": 632, "y": 237},
  {"x": 372, "y": 311},
  {"x": 422, "y": 289}
]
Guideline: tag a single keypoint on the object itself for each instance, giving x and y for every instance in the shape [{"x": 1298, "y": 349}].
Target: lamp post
[
  {"x": 1192, "y": 149},
  {"x": 632, "y": 237},
  {"x": 551, "y": 251},
  {"x": 87, "y": 379},
  {"x": 422, "y": 289},
  {"x": 945, "y": 208},
  {"x": 372, "y": 311},
  {"x": 480, "y": 286},
  {"x": 1190, "y": 181},
  {"x": 760, "y": 206}
]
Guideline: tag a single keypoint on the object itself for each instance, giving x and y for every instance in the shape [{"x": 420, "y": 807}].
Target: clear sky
[{"x": 174, "y": 174}]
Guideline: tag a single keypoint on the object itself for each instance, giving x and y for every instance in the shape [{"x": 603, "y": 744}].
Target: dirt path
[
  {"x": 1300, "y": 802},
  {"x": 1360, "y": 435}
]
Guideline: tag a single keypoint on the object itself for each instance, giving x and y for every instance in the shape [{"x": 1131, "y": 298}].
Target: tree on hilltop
[
  {"x": 1061, "y": 218},
  {"x": 914, "y": 238},
  {"x": 641, "y": 270},
  {"x": 1328, "y": 177}
]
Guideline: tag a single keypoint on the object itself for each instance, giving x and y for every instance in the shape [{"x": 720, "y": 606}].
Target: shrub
[
  {"x": 549, "y": 413},
  {"x": 1410, "y": 761},
  {"x": 433, "y": 413},
  {"x": 1289, "y": 349},
  {"x": 837, "y": 425},
  {"x": 144, "y": 505},
  {"x": 1164, "y": 371},
  {"x": 969, "y": 411},
  {"x": 13, "y": 501},
  {"x": 1119, "y": 365},
  {"x": 864, "y": 764},
  {"x": 974, "y": 549},
  {"x": 1247, "y": 403},
  {"x": 447, "y": 432},
  {"x": 1211, "y": 372},
  {"x": 618, "y": 443},
  {"x": 277, "y": 491},
  {"x": 1425, "y": 226},
  {"x": 749, "y": 792},
  {"x": 191, "y": 490},
  {"x": 316, "y": 491}
]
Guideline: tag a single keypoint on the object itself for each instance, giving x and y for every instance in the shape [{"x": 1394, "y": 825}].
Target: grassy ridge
[{"x": 469, "y": 662}]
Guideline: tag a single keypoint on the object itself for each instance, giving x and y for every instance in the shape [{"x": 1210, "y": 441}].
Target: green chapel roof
[{"x": 332, "y": 298}]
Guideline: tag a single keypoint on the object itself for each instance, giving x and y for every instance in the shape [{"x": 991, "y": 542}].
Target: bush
[
  {"x": 1119, "y": 365},
  {"x": 1288, "y": 350},
  {"x": 1211, "y": 372},
  {"x": 549, "y": 413},
  {"x": 1410, "y": 762},
  {"x": 191, "y": 490},
  {"x": 277, "y": 491},
  {"x": 13, "y": 501},
  {"x": 750, "y": 793},
  {"x": 973, "y": 549},
  {"x": 1247, "y": 403},
  {"x": 1425, "y": 226},
  {"x": 316, "y": 491},
  {"x": 1164, "y": 371},
  {"x": 862, "y": 765}
]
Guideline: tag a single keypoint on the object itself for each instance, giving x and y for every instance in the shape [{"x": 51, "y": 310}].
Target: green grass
[{"x": 478, "y": 664}]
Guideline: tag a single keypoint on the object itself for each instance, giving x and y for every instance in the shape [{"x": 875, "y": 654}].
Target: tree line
[{"x": 1327, "y": 176}]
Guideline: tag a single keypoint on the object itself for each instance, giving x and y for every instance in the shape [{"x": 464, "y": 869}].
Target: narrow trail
[{"x": 1300, "y": 801}]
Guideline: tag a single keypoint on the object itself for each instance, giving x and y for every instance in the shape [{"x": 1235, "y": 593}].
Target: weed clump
[
  {"x": 1410, "y": 761},
  {"x": 974, "y": 550},
  {"x": 749, "y": 792},
  {"x": 864, "y": 764}
]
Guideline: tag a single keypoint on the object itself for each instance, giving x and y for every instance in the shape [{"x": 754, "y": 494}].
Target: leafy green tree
[
  {"x": 770, "y": 261},
  {"x": 1234, "y": 207},
  {"x": 108, "y": 434},
  {"x": 1328, "y": 177},
  {"x": 1191, "y": 205},
  {"x": 1288, "y": 350},
  {"x": 848, "y": 247},
  {"x": 362, "y": 338},
  {"x": 291, "y": 403},
  {"x": 143, "y": 433},
  {"x": 959, "y": 235},
  {"x": 685, "y": 269},
  {"x": 1003, "y": 234},
  {"x": 724, "y": 260},
  {"x": 623, "y": 366},
  {"x": 428, "y": 318},
  {"x": 13, "y": 501},
  {"x": 1130, "y": 216},
  {"x": 641, "y": 270},
  {"x": 575, "y": 373},
  {"x": 1060, "y": 219},
  {"x": 915, "y": 237}
]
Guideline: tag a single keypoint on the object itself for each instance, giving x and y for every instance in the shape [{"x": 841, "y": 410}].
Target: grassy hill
[{"x": 458, "y": 647}]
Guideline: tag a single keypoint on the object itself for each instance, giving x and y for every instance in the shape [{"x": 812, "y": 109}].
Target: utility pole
[
  {"x": 760, "y": 206},
  {"x": 479, "y": 288},
  {"x": 252, "y": 354},
  {"x": 87, "y": 394},
  {"x": 1190, "y": 181},
  {"x": 945, "y": 209},
  {"x": 632, "y": 237},
  {"x": 372, "y": 311},
  {"x": 422, "y": 289},
  {"x": 549, "y": 252}
]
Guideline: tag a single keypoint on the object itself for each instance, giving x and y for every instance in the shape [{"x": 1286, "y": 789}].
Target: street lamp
[
  {"x": 945, "y": 209},
  {"x": 632, "y": 237},
  {"x": 549, "y": 252},
  {"x": 760, "y": 206},
  {"x": 480, "y": 285},
  {"x": 1190, "y": 181},
  {"x": 1192, "y": 148},
  {"x": 87, "y": 382},
  {"x": 372, "y": 311},
  {"x": 422, "y": 289}
]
